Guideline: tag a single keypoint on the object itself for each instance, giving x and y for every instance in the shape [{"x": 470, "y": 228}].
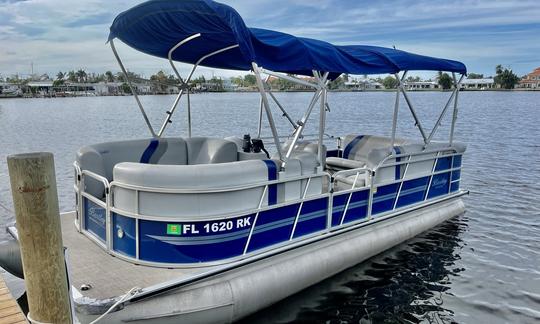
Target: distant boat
[{"x": 10, "y": 91}]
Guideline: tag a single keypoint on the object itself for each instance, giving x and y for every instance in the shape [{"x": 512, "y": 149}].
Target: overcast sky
[{"x": 60, "y": 35}]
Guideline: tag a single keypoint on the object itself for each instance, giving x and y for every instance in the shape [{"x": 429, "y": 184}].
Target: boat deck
[
  {"x": 10, "y": 312},
  {"x": 90, "y": 264}
]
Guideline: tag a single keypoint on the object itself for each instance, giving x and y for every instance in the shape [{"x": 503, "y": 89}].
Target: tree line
[{"x": 504, "y": 78}]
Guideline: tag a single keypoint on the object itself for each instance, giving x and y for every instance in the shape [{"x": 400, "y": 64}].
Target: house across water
[
  {"x": 421, "y": 85},
  {"x": 478, "y": 84},
  {"x": 531, "y": 80}
]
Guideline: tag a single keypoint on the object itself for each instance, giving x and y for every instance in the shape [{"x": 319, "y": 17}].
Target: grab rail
[{"x": 217, "y": 190}]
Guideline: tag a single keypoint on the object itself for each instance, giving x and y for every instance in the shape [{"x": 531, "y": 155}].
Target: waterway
[{"x": 483, "y": 266}]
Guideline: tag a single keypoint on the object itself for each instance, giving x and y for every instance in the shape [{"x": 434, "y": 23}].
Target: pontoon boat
[{"x": 206, "y": 229}]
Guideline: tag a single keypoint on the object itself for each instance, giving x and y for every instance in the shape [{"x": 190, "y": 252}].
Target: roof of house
[
  {"x": 528, "y": 77},
  {"x": 536, "y": 72}
]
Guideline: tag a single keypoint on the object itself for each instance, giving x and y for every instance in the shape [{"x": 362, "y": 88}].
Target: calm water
[{"x": 483, "y": 266}]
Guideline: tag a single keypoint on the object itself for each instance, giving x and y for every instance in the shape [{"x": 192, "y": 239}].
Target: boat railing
[
  {"x": 405, "y": 159},
  {"x": 108, "y": 202},
  {"x": 368, "y": 195},
  {"x": 217, "y": 190}
]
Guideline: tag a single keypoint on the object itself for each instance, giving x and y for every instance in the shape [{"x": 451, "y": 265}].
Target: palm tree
[
  {"x": 71, "y": 76},
  {"x": 60, "y": 76},
  {"x": 109, "y": 76},
  {"x": 499, "y": 69},
  {"x": 81, "y": 75}
]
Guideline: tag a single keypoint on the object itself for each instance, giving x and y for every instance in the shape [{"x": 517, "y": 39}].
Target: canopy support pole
[
  {"x": 169, "y": 55},
  {"x": 175, "y": 104},
  {"x": 290, "y": 78},
  {"x": 322, "y": 117},
  {"x": 454, "y": 115},
  {"x": 413, "y": 112},
  {"x": 124, "y": 71},
  {"x": 445, "y": 109},
  {"x": 301, "y": 124},
  {"x": 183, "y": 85},
  {"x": 396, "y": 108},
  {"x": 267, "y": 108},
  {"x": 189, "y": 113},
  {"x": 285, "y": 114},
  {"x": 261, "y": 107}
]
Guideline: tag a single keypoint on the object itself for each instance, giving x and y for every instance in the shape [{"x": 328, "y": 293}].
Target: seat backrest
[
  {"x": 358, "y": 147},
  {"x": 101, "y": 158},
  {"x": 306, "y": 152},
  {"x": 196, "y": 178},
  {"x": 151, "y": 151},
  {"x": 420, "y": 164},
  {"x": 204, "y": 150}
]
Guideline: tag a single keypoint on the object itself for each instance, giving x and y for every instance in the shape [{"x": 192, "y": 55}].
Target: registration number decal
[{"x": 209, "y": 227}]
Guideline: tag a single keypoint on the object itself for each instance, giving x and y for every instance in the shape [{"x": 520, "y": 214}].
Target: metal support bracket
[{"x": 124, "y": 71}]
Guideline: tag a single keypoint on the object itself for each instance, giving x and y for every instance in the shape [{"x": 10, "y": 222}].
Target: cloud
[
  {"x": 59, "y": 35},
  {"x": 96, "y": 19}
]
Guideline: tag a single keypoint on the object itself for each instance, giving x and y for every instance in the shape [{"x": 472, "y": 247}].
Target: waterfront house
[
  {"x": 108, "y": 88},
  {"x": 228, "y": 85},
  {"x": 531, "y": 80},
  {"x": 477, "y": 84},
  {"x": 421, "y": 85},
  {"x": 362, "y": 84},
  {"x": 42, "y": 88}
]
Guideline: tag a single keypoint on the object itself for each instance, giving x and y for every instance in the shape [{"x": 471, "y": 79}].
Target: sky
[{"x": 62, "y": 35}]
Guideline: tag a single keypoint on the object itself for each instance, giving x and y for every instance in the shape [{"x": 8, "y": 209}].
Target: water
[{"x": 483, "y": 266}]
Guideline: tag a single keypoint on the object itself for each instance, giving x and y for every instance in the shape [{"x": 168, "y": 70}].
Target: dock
[{"x": 10, "y": 312}]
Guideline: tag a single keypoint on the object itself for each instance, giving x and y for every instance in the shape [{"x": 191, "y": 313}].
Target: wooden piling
[{"x": 35, "y": 200}]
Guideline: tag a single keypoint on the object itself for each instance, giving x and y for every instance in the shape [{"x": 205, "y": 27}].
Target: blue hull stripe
[
  {"x": 351, "y": 145},
  {"x": 150, "y": 150},
  {"x": 200, "y": 240},
  {"x": 352, "y": 205},
  {"x": 272, "y": 175}
]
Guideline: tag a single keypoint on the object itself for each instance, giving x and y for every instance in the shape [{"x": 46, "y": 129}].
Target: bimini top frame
[{"x": 224, "y": 41}]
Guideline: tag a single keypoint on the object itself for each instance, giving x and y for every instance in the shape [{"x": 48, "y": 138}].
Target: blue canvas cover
[{"x": 154, "y": 27}]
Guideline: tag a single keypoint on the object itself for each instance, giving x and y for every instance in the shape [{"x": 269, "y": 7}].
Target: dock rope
[
  {"x": 129, "y": 294},
  {"x": 33, "y": 321},
  {"x": 6, "y": 208}
]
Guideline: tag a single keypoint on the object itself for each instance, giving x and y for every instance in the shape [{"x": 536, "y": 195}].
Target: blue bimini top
[{"x": 155, "y": 27}]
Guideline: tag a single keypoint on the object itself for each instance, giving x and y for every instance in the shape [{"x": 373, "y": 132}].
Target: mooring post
[{"x": 35, "y": 200}]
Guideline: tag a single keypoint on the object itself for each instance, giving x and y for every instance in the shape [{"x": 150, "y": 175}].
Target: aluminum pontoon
[{"x": 202, "y": 229}]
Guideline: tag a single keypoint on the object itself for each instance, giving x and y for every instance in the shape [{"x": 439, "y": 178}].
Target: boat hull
[{"x": 238, "y": 293}]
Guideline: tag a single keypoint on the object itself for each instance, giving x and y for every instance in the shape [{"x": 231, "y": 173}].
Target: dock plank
[{"x": 10, "y": 312}]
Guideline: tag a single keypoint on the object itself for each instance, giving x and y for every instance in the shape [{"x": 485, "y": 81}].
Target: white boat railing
[
  {"x": 328, "y": 190},
  {"x": 108, "y": 205},
  {"x": 372, "y": 186}
]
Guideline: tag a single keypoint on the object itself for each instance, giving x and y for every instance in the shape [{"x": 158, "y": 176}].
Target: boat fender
[{"x": 10, "y": 258}]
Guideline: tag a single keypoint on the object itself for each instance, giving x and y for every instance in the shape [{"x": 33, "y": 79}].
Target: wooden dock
[{"x": 10, "y": 312}]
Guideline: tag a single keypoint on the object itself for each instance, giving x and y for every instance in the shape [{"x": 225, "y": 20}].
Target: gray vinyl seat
[
  {"x": 208, "y": 170},
  {"x": 102, "y": 158},
  {"x": 420, "y": 164},
  {"x": 356, "y": 149},
  {"x": 204, "y": 150},
  {"x": 307, "y": 153}
]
